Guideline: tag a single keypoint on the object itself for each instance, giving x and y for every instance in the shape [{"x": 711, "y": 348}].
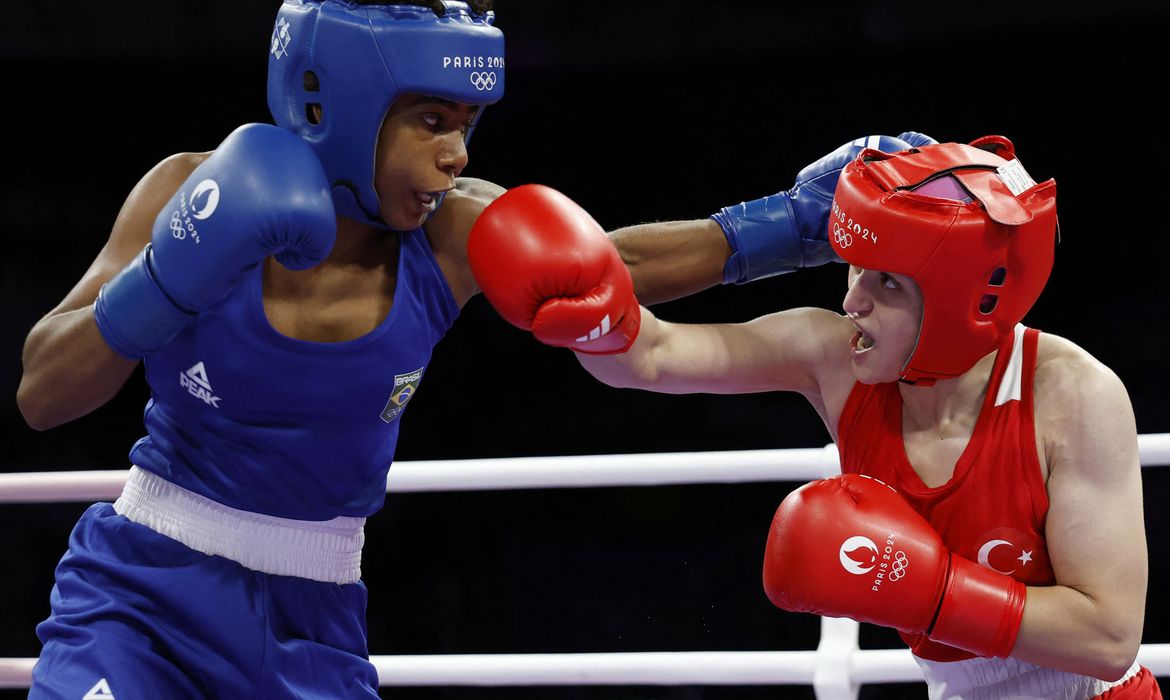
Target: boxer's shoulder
[
  {"x": 448, "y": 229},
  {"x": 451, "y": 223},
  {"x": 176, "y": 167},
  {"x": 160, "y": 182},
  {"x": 1077, "y": 397},
  {"x": 1066, "y": 370}
]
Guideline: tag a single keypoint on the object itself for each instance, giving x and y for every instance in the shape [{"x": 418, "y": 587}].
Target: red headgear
[{"x": 967, "y": 224}]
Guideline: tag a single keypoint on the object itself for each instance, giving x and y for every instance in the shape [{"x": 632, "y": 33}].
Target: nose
[
  {"x": 452, "y": 158},
  {"x": 858, "y": 301}
]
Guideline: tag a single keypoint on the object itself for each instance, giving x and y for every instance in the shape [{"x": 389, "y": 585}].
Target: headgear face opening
[
  {"x": 348, "y": 62},
  {"x": 967, "y": 224}
]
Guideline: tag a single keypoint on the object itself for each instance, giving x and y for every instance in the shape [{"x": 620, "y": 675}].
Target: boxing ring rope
[{"x": 835, "y": 669}]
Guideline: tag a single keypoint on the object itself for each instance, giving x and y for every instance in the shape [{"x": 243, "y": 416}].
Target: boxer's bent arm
[
  {"x": 672, "y": 259},
  {"x": 777, "y": 352},
  {"x": 69, "y": 370},
  {"x": 1091, "y": 621}
]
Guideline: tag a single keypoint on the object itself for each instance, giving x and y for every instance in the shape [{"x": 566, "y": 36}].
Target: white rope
[
  {"x": 837, "y": 648},
  {"x": 16, "y": 673},
  {"x": 534, "y": 472},
  {"x": 1154, "y": 449},
  {"x": 641, "y": 668}
]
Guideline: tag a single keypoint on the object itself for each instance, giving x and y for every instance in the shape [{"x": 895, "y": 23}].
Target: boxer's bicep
[{"x": 1091, "y": 620}]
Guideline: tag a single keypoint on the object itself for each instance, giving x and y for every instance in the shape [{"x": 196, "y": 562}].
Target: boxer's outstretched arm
[
  {"x": 69, "y": 369},
  {"x": 752, "y": 240},
  {"x": 673, "y": 259},
  {"x": 546, "y": 266},
  {"x": 782, "y": 351}
]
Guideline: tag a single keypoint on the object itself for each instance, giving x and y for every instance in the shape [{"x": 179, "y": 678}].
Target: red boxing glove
[
  {"x": 547, "y": 266},
  {"x": 850, "y": 546}
]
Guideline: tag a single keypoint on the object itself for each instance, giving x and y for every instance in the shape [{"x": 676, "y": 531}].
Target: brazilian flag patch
[{"x": 404, "y": 387}]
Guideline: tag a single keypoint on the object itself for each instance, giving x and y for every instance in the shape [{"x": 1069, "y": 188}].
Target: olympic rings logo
[
  {"x": 842, "y": 235},
  {"x": 899, "y": 567},
  {"x": 485, "y": 80},
  {"x": 178, "y": 230}
]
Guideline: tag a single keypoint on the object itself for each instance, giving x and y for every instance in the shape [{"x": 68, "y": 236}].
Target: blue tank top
[{"x": 262, "y": 422}]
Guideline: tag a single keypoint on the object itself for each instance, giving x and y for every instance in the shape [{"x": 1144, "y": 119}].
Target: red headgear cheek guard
[{"x": 967, "y": 224}]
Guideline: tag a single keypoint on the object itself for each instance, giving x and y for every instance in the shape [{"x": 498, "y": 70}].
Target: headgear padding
[
  {"x": 363, "y": 57},
  {"x": 967, "y": 224}
]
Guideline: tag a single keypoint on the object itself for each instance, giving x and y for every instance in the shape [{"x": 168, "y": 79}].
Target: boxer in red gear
[{"x": 1011, "y": 454}]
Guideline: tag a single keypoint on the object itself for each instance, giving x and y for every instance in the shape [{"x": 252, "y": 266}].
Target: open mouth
[{"x": 861, "y": 342}]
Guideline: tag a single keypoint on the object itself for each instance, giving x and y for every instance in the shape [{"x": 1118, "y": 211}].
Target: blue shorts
[{"x": 151, "y": 618}]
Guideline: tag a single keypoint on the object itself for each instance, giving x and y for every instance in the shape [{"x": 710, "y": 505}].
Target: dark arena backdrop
[{"x": 640, "y": 111}]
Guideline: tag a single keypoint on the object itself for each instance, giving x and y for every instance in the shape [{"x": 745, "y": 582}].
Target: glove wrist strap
[
  {"x": 134, "y": 314},
  {"x": 980, "y": 611},
  {"x": 763, "y": 237}
]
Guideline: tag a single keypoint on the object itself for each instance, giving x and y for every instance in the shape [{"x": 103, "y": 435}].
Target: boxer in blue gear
[{"x": 284, "y": 293}]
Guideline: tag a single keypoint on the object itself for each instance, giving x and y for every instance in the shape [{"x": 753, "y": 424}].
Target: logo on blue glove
[{"x": 204, "y": 199}]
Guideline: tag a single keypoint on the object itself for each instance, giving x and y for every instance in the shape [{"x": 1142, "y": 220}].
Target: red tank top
[{"x": 993, "y": 509}]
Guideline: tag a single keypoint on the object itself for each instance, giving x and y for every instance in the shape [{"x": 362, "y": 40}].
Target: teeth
[{"x": 864, "y": 342}]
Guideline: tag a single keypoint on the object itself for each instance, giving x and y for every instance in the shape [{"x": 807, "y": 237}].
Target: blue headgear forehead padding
[{"x": 363, "y": 57}]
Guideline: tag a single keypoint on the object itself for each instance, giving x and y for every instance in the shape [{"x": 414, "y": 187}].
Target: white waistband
[
  {"x": 991, "y": 679},
  {"x": 329, "y": 550}
]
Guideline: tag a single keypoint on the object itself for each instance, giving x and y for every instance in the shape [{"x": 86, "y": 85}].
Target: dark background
[{"x": 639, "y": 111}]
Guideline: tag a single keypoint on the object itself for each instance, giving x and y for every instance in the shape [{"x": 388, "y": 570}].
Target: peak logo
[
  {"x": 100, "y": 691},
  {"x": 195, "y": 381}
]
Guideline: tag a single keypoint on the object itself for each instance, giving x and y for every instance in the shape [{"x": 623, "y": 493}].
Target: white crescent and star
[{"x": 986, "y": 550}]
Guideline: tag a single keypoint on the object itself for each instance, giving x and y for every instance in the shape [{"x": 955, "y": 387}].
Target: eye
[
  {"x": 888, "y": 282},
  {"x": 432, "y": 120}
]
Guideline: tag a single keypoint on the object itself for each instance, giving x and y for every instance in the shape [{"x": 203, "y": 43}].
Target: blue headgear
[{"x": 363, "y": 57}]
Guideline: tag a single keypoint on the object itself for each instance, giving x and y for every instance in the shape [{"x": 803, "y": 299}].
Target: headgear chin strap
[
  {"x": 967, "y": 224},
  {"x": 351, "y": 61}
]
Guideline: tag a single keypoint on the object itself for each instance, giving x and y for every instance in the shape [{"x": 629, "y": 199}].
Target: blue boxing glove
[
  {"x": 262, "y": 192},
  {"x": 789, "y": 230}
]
